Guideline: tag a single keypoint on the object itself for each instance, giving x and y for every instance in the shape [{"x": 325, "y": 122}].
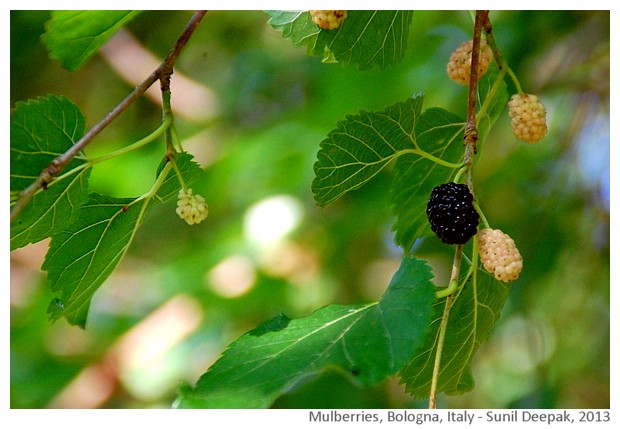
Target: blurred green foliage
[{"x": 184, "y": 292}]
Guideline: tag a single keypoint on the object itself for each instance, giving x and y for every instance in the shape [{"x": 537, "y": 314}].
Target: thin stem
[
  {"x": 160, "y": 181},
  {"x": 454, "y": 278},
  {"x": 497, "y": 54},
  {"x": 482, "y": 217},
  {"x": 515, "y": 80},
  {"x": 452, "y": 287},
  {"x": 60, "y": 162},
  {"x": 432, "y": 403},
  {"x": 487, "y": 102},
  {"x": 433, "y": 158},
  {"x": 460, "y": 173},
  {"x": 470, "y": 140},
  {"x": 471, "y": 132},
  {"x": 136, "y": 145},
  {"x": 178, "y": 172}
]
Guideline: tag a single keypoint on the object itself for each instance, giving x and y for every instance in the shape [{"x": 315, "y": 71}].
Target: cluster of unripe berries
[
  {"x": 499, "y": 254},
  {"x": 191, "y": 208},
  {"x": 528, "y": 114},
  {"x": 454, "y": 219},
  {"x": 529, "y": 117},
  {"x": 328, "y": 19},
  {"x": 459, "y": 66}
]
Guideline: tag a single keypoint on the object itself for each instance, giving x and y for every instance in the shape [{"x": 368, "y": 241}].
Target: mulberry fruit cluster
[
  {"x": 191, "y": 208},
  {"x": 499, "y": 255},
  {"x": 529, "y": 117},
  {"x": 328, "y": 19},
  {"x": 451, "y": 213},
  {"x": 459, "y": 66}
]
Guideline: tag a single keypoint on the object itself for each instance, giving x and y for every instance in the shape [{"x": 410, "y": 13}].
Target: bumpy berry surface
[
  {"x": 191, "y": 208},
  {"x": 451, "y": 213},
  {"x": 529, "y": 117},
  {"x": 328, "y": 19},
  {"x": 459, "y": 66},
  {"x": 499, "y": 255}
]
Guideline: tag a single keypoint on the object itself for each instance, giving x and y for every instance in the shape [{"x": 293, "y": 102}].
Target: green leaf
[
  {"x": 72, "y": 36},
  {"x": 367, "y": 342},
  {"x": 439, "y": 133},
  {"x": 83, "y": 253},
  {"x": 41, "y": 130},
  {"x": 472, "y": 317},
  {"x": 366, "y": 38},
  {"x": 361, "y": 146},
  {"x": 86, "y": 251}
]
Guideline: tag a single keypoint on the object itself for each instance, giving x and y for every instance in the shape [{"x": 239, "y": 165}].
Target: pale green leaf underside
[
  {"x": 361, "y": 146},
  {"x": 41, "y": 130},
  {"x": 367, "y": 342},
  {"x": 72, "y": 36},
  {"x": 471, "y": 320},
  {"x": 366, "y": 38}
]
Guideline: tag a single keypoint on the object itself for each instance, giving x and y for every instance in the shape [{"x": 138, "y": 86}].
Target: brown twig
[
  {"x": 471, "y": 131},
  {"x": 470, "y": 140},
  {"x": 162, "y": 73}
]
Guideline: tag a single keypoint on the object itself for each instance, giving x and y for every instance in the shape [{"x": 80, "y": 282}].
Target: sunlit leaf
[
  {"x": 361, "y": 146},
  {"x": 472, "y": 317},
  {"x": 72, "y": 36},
  {"x": 368, "y": 342},
  {"x": 41, "y": 130},
  {"x": 366, "y": 38},
  {"x": 439, "y": 133},
  {"x": 83, "y": 253}
]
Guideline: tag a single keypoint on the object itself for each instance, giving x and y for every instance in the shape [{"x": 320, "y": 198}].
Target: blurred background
[{"x": 253, "y": 109}]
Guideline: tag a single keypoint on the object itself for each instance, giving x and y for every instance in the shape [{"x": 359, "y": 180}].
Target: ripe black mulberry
[{"x": 451, "y": 213}]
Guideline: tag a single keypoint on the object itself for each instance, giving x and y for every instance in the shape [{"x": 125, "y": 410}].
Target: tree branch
[
  {"x": 471, "y": 131},
  {"x": 470, "y": 140},
  {"x": 162, "y": 73}
]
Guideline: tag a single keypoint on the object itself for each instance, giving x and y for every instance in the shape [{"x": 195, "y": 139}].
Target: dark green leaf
[
  {"x": 361, "y": 146},
  {"x": 366, "y": 38},
  {"x": 439, "y": 133},
  {"x": 41, "y": 130},
  {"x": 470, "y": 322},
  {"x": 72, "y": 36},
  {"x": 368, "y": 342}
]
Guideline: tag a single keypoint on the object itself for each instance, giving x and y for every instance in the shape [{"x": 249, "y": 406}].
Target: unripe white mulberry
[
  {"x": 499, "y": 254},
  {"x": 328, "y": 19},
  {"x": 529, "y": 117},
  {"x": 191, "y": 208},
  {"x": 459, "y": 66}
]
